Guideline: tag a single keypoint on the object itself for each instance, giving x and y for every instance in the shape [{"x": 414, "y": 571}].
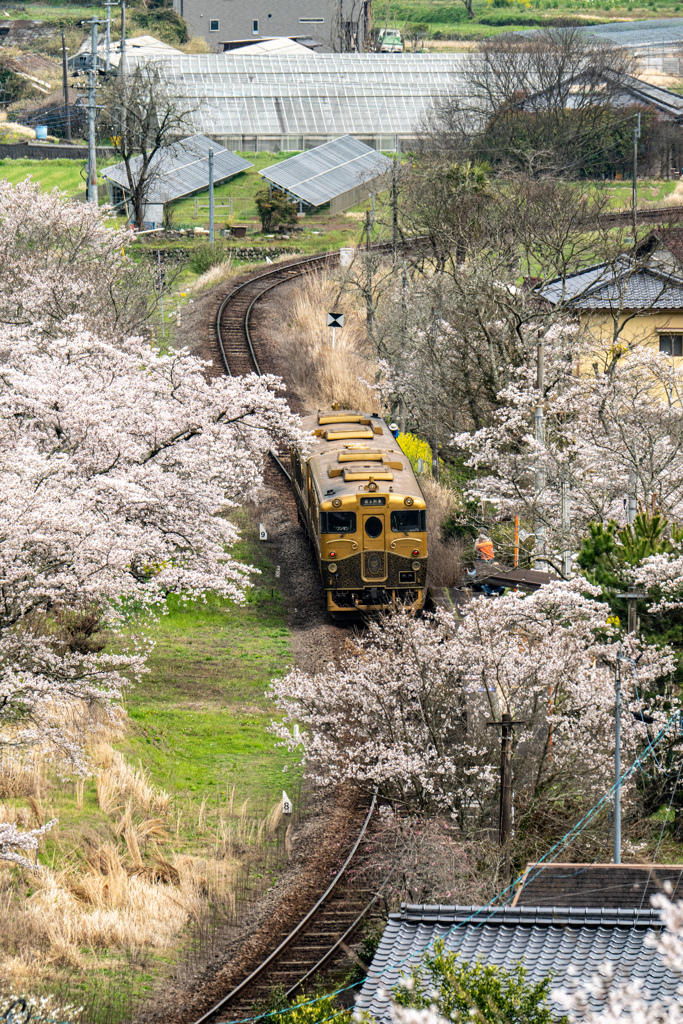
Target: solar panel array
[
  {"x": 327, "y": 93},
  {"x": 182, "y": 169},
  {"x": 328, "y": 170}
]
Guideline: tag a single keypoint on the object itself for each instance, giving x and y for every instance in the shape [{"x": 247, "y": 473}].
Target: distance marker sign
[{"x": 335, "y": 319}]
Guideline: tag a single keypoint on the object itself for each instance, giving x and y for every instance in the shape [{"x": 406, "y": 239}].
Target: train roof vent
[
  {"x": 366, "y": 474},
  {"x": 343, "y": 416},
  {"x": 342, "y": 435},
  {"x": 367, "y": 456}
]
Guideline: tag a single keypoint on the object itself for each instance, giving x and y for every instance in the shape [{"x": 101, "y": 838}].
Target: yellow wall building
[{"x": 635, "y": 300}]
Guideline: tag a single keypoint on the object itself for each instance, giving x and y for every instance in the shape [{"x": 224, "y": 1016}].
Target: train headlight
[
  {"x": 416, "y": 566},
  {"x": 337, "y": 503},
  {"x": 332, "y": 568},
  {"x": 333, "y": 554},
  {"x": 407, "y": 501},
  {"x": 415, "y": 553}
]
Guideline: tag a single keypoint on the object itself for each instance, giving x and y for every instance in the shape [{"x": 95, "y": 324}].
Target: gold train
[{"x": 364, "y": 513}]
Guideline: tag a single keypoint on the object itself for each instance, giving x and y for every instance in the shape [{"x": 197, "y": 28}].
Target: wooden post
[
  {"x": 506, "y": 726},
  {"x": 505, "y": 815}
]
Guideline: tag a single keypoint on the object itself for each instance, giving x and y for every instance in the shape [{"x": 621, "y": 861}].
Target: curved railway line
[{"x": 297, "y": 950}]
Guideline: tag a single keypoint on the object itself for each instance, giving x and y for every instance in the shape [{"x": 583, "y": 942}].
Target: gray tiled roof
[
  {"x": 597, "y": 885},
  {"x": 571, "y": 943},
  {"x": 183, "y": 168},
  {"x": 328, "y": 171},
  {"x": 605, "y": 286}
]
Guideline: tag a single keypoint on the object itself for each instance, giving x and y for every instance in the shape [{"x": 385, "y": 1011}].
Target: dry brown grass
[
  {"x": 116, "y": 780},
  {"x": 320, "y": 374},
  {"x": 214, "y": 275},
  {"x": 445, "y": 556},
  {"x": 197, "y": 44}
]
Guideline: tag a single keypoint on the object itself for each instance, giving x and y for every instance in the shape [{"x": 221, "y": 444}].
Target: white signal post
[{"x": 335, "y": 320}]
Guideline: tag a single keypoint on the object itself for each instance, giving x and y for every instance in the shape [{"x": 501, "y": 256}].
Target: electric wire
[{"x": 548, "y": 858}]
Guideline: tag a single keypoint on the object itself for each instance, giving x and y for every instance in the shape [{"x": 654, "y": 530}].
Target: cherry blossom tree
[
  {"x": 119, "y": 466},
  {"x": 60, "y": 259},
  {"x": 407, "y": 711},
  {"x": 609, "y": 436}
]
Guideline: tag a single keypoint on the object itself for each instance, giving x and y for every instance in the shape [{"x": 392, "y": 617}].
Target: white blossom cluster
[
  {"x": 605, "y": 435},
  {"x": 407, "y": 711},
  {"x": 118, "y": 464}
]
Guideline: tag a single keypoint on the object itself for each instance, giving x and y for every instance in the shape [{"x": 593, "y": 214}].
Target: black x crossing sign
[{"x": 335, "y": 319}]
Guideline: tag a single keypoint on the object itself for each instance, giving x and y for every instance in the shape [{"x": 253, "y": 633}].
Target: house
[
  {"x": 337, "y": 25},
  {"x": 567, "y": 919},
  {"x": 637, "y": 298}
]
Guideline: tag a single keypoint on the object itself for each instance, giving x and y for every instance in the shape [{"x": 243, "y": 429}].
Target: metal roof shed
[
  {"x": 179, "y": 170},
  {"x": 338, "y": 172}
]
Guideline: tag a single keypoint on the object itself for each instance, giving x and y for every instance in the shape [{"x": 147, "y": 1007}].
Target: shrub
[
  {"x": 460, "y": 991},
  {"x": 205, "y": 256},
  {"x": 274, "y": 208}
]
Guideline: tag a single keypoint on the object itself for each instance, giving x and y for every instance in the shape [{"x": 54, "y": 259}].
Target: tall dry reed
[
  {"x": 319, "y": 373},
  {"x": 446, "y": 566}
]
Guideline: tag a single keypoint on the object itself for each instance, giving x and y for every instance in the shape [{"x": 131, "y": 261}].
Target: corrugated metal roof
[
  {"x": 312, "y": 93},
  {"x": 328, "y": 170},
  {"x": 183, "y": 168},
  {"x": 572, "y": 943}
]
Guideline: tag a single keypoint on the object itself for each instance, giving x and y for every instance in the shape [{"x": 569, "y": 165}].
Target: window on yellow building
[{"x": 671, "y": 344}]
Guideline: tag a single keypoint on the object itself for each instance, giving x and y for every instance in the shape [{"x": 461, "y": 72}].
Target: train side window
[
  {"x": 298, "y": 472},
  {"x": 413, "y": 521},
  {"x": 337, "y": 522}
]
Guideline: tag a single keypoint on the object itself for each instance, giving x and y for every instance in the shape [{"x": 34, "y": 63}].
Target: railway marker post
[
  {"x": 286, "y": 804},
  {"x": 335, "y": 320},
  {"x": 262, "y": 532}
]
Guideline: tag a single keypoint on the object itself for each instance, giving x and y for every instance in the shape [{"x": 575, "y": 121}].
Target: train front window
[
  {"x": 374, "y": 527},
  {"x": 337, "y": 522},
  {"x": 413, "y": 521}
]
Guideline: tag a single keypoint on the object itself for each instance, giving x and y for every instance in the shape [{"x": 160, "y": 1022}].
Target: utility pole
[
  {"x": 92, "y": 113},
  {"x": 211, "y": 206},
  {"x": 506, "y": 725},
  {"x": 122, "y": 44},
  {"x": 636, "y": 136},
  {"x": 566, "y": 554},
  {"x": 632, "y": 497},
  {"x": 369, "y": 311},
  {"x": 65, "y": 85},
  {"x": 108, "y": 4},
  {"x": 394, "y": 213},
  {"x": 539, "y": 432},
  {"x": 617, "y": 760}
]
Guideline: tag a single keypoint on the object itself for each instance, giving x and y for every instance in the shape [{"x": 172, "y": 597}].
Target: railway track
[
  {"x": 295, "y": 950},
  {"x": 316, "y": 942},
  {"x": 237, "y": 346}
]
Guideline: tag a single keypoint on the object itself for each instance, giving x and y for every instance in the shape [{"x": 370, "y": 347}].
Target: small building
[
  {"x": 571, "y": 942},
  {"x": 342, "y": 173},
  {"x": 637, "y": 298},
  {"x": 625, "y": 886},
  {"x": 141, "y": 47},
  {"x": 178, "y": 170},
  {"x": 278, "y": 45},
  {"x": 336, "y": 25}
]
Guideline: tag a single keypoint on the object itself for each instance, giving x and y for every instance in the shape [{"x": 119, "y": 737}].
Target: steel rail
[
  {"x": 295, "y": 931},
  {"x": 322, "y": 258},
  {"x": 326, "y": 956}
]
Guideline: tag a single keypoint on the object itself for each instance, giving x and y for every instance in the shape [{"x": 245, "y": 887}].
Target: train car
[{"x": 364, "y": 513}]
